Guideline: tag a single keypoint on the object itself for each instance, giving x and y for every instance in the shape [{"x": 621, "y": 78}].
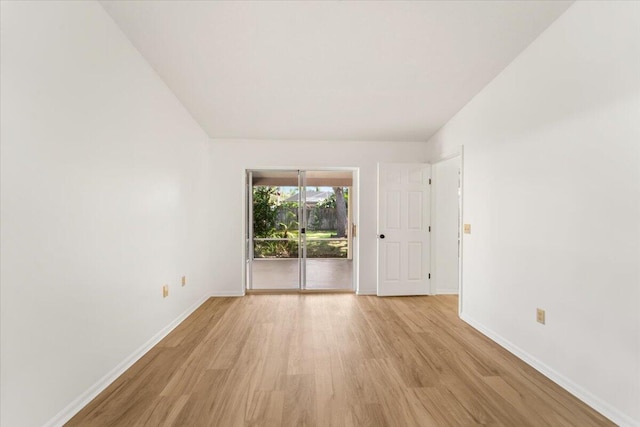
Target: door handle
[{"x": 381, "y": 236}]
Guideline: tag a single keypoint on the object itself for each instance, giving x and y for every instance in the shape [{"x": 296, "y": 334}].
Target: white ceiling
[{"x": 391, "y": 71}]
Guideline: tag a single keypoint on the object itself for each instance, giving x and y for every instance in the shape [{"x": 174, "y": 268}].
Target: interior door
[
  {"x": 445, "y": 216},
  {"x": 403, "y": 229}
]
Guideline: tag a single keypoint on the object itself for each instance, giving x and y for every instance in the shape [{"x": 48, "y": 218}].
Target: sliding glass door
[
  {"x": 299, "y": 230},
  {"x": 325, "y": 246},
  {"x": 274, "y": 258}
]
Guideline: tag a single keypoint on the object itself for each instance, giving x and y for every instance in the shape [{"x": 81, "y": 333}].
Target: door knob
[{"x": 381, "y": 236}]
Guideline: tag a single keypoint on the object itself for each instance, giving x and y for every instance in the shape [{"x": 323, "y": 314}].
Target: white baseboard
[
  {"x": 227, "y": 294},
  {"x": 595, "y": 402},
  {"x": 366, "y": 293},
  {"x": 446, "y": 292},
  {"x": 83, "y": 400}
]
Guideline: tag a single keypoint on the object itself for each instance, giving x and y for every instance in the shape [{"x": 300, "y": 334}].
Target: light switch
[{"x": 467, "y": 229}]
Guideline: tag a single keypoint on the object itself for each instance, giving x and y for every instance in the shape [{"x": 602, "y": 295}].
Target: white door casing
[{"x": 403, "y": 220}]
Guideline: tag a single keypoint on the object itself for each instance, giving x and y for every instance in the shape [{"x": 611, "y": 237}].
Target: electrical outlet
[
  {"x": 165, "y": 291},
  {"x": 540, "y": 315},
  {"x": 467, "y": 228},
  {"x": 184, "y": 280}
]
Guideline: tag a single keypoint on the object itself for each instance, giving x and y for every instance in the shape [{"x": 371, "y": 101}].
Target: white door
[
  {"x": 445, "y": 231},
  {"x": 403, "y": 229}
]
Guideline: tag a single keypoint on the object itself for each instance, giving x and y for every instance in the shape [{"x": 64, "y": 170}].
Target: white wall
[
  {"x": 444, "y": 225},
  {"x": 104, "y": 199},
  {"x": 552, "y": 191},
  {"x": 231, "y": 158}
]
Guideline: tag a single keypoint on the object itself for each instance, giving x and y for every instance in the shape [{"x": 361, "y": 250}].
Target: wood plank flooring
[{"x": 332, "y": 360}]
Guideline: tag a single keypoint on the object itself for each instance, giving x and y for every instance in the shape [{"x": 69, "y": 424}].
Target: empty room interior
[{"x": 345, "y": 213}]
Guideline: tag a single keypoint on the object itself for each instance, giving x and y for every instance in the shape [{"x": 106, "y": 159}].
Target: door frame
[
  {"x": 354, "y": 206},
  {"x": 458, "y": 153}
]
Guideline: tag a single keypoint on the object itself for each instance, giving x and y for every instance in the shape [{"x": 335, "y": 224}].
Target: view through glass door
[{"x": 299, "y": 230}]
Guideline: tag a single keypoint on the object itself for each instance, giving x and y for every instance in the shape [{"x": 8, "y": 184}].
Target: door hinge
[
  {"x": 429, "y": 181},
  {"x": 429, "y": 275},
  {"x": 429, "y": 229}
]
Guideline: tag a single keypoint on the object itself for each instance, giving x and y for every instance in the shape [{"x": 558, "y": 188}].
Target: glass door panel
[
  {"x": 326, "y": 257},
  {"x": 275, "y": 251}
]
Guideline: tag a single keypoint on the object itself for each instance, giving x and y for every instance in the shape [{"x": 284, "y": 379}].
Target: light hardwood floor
[{"x": 331, "y": 359}]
